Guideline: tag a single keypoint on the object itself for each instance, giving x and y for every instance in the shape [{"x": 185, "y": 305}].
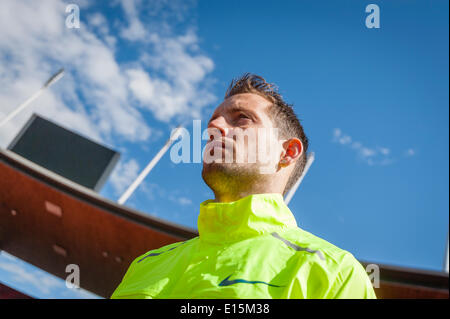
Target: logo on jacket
[{"x": 227, "y": 282}]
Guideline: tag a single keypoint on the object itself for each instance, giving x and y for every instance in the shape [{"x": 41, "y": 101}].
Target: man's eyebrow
[{"x": 237, "y": 108}]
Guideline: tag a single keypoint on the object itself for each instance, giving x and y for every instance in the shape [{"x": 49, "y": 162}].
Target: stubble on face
[{"x": 230, "y": 177}]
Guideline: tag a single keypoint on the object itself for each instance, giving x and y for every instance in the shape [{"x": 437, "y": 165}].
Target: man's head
[{"x": 241, "y": 130}]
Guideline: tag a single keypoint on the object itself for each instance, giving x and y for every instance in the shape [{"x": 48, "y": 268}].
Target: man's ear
[{"x": 293, "y": 149}]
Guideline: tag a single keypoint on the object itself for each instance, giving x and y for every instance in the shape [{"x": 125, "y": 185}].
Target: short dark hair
[{"x": 281, "y": 113}]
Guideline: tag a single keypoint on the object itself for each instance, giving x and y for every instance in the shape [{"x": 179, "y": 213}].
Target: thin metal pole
[
  {"x": 53, "y": 79},
  {"x": 290, "y": 194},
  {"x": 149, "y": 167},
  {"x": 446, "y": 257}
]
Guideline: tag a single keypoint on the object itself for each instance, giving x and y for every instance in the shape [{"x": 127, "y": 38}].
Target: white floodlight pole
[
  {"x": 149, "y": 167},
  {"x": 55, "y": 77},
  {"x": 290, "y": 194},
  {"x": 446, "y": 257}
]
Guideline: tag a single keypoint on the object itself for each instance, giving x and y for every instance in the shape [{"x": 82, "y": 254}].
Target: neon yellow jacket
[{"x": 250, "y": 248}]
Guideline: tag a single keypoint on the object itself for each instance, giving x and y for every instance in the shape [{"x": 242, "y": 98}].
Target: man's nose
[{"x": 218, "y": 125}]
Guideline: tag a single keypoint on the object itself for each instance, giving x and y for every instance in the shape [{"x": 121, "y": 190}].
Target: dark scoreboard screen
[{"x": 64, "y": 152}]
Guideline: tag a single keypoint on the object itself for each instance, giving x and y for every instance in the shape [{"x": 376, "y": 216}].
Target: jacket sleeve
[{"x": 352, "y": 282}]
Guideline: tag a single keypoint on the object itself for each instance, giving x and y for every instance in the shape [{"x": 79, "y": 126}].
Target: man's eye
[{"x": 243, "y": 116}]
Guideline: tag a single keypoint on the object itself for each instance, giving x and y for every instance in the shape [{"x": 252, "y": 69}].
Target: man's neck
[
  {"x": 229, "y": 188},
  {"x": 234, "y": 196}
]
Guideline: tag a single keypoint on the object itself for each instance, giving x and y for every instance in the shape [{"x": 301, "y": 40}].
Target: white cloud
[
  {"x": 35, "y": 43},
  {"x": 184, "y": 201},
  {"x": 356, "y": 145},
  {"x": 123, "y": 175},
  {"x": 141, "y": 85},
  {"x": 345, "y": 140},
  {"x": 184, "y": 87},
  {"x": 99, "y": 21},
  {"x": 410, "y": 152},
  {"x": 341, "y": 138},
  {"x": 153, "y": 191},
  {"x": 384, "y": 151},
  {"x": 135, "y": 29},
  {"x": 98, "y": 96},
  {"x": 371, "y": 156},
  {"x": 367, "y": 152},
  {"x": 336, "y": 133}
]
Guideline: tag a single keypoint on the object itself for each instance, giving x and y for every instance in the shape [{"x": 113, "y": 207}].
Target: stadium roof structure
[{"x": 50, "y": 222}]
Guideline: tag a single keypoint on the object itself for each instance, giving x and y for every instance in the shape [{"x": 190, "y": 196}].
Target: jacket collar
[{"x": 247, "y": 217}]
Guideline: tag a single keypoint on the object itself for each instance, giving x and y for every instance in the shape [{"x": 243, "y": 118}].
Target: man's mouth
[
  {"x": 215, "y": 143},
  {"x": 223, "y": 144}
]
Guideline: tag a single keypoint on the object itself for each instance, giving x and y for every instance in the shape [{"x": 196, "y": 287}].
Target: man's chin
[
  {"x": 222, "y": 170},
  {"x": 220, "y": 166},
  {"x": 230, "y": 169},
  {"x": 216, "y": 166}
]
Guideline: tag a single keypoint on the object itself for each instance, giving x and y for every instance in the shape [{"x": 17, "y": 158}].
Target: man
[{"x": 249, "y": 245}]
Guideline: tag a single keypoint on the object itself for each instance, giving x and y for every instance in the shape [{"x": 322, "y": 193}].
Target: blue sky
[{"x": 373, "y": 102}]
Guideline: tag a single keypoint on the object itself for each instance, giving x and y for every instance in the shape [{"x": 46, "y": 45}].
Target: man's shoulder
[
  {"x": 312, "y": 242},
  {"x": 164, "y": 249},
  {"x": 150, "y": 271},
  {"x": 330, "y": 256},
  {"x": 345, "y": 274}
]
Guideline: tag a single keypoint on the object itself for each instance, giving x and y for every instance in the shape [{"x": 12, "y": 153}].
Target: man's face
[{"x": 243, "y": 140}]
